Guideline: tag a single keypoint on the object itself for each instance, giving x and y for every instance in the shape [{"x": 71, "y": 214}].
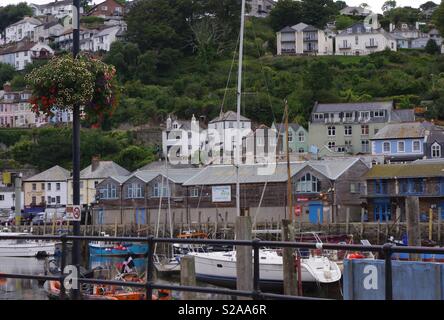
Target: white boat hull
[
  {"x": 27, "y": 249},
  {"x": 223, "y": 269}
]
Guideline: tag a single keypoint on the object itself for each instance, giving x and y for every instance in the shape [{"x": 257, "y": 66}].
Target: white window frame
[
  {"x": 331, "y": 131},
  {"x": 413, "y": 146},
  {"x": 349, "y": 132},
  {"x": 403, "y": 146},
  {"x": 194, "y": 192},
  {"x": 435, "y": 151},
  {"x": 301, "y": 136},
  {"x": 389, "y": 147}
]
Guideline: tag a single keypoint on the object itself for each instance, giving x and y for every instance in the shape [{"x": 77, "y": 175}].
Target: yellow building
[{"x": 91, "y": 176}]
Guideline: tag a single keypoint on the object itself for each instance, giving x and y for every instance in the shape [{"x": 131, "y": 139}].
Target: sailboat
[{"x": 220, "y": 267}]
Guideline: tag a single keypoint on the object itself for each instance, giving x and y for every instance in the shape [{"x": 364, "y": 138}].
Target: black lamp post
[{"x": 76, "y": 146}]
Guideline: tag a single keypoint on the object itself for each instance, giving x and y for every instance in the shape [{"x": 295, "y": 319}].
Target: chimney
[
  {"x": 7, "y": 87},
  {"x": 392, "y": 27},
  {"x": 95, "y": 162}
]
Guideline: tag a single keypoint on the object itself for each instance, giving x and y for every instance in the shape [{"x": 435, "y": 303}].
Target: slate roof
[
  {"x": 31, "y": 20},
  {"x": 24, "y": 45},
  {"x": 55, "y": 173},
  {"x": 175, "y": 175},
  {"x": 300, "y": 26},
  {"x": 280, "y": 127},
  {"x": 403, "y": 115},
  {"x": 403, "y": 131},
  {"x": 353, "y": 106},
  {"x": 287, "y": 29},
  {"x": 412, "y": 170},
  {"x": 226, "y": 174},
  {"x": 104, "y": 170},
  {"x": 228, "y": 116}
]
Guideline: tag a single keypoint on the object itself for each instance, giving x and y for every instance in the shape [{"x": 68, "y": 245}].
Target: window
[
  {"x": 348, "y": 130},
  {"x": 364, "y": 115},
  {"x": 58, "y": 186},
  {"x": 2, "y": 197},
  {"x": 301, "y": 136},
  {"x": 365, "y": 144},
  {"x": 108, "y": 192},
  {"x": 436, "y": 150},
  {"x": 34, "y": 200},
  {"x": 348, "y": 116},
  {"x": 365, "y": 130},
  {"x": 49, "y": 186},
  {"x": 412, "y": 186},
  {"x": 381, "y": 187},
  {"x": 49, "y": 199},
  {"x": 416, "y": 146},
  {"x": 357, "y": 40},
  {"x": 230, "y": 124},
  {"x": 290, "y": 136},
  {"x": 401, "y": 146},
  {"x": 352, "y": 187},
  {"x": 331, "y": 131},
  {"x": 43, "y": 186},
  {"x": 134, "y": 191},
  {"x": 308, "y": 184},
  {"x": 104, "y": 8},
  {"x": 379, "y": 114},
  {"x": 301, "y": 150},
  {"x": 319, "y": 116},
  {"x": 260, "y": 141},
  {"x": 58, "y": 199},
  {"x": 156, "y": 190},
  {"x": 331, "y": 144},
  {"x": 42, "y": 199},
  {"x": 194, "y": 192},
  {"x": 34, "y": 187},
  {"x": 386, "y": 147}
]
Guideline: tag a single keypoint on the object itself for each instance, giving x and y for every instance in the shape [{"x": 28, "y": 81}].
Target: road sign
[{"x": 73, "y": 213}]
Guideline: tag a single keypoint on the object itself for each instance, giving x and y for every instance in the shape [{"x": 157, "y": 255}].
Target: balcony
[
  {"x": 310, "y": 39},
  {"x": 288, "y": 51},
  {"x": 345, "y": 46},
  {"x": 371, "y": 45}
]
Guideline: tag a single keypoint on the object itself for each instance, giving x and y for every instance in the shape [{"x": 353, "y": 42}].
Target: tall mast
[
  {"x": 289, "y": 193},
  {"x": 239, "y": 101}
]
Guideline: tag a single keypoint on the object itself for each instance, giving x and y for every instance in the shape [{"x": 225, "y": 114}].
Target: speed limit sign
[{"x": 73, "y": 213}]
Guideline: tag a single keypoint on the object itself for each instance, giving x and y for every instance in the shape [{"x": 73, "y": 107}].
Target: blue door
[
  {"x": 315, "y": 209},
  {"x": 382, "y": 210}
]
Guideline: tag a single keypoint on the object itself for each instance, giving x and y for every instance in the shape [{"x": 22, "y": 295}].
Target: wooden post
[
  {"x": 430, "y": 224},
  {"x": 288, "y": 259},
  {"x": 439, "y": 224},
  {"x": 244, "y": 257},
  {"x": 347, "y": 221},
  {"x": 188, "y": 276},
  {"x": 413, "y": 226},
  {"x": 361, "y": 232}
]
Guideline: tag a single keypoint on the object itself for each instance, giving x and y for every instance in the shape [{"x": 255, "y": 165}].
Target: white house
[
  {"x": 355, "y": 11},
  {"x": 21, "y": 29},
  {"x": 260, "y": 8},
  {"x": 47, "y": 31},
  {"x": 19, "y": 54},
  {"x": 304, "y": 39},
  {"x": 7, "y": 198},
  {"x": 362, "y": 39},
  {"x": 64, "y": 41},
  {"x": 103, "y": 39},
  {"x": 58, "y": 9}
]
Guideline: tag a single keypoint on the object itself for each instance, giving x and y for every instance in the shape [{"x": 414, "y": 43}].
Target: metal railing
[{"x": 149, "y": 285}]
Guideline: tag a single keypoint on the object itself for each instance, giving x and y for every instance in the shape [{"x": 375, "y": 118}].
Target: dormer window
[
  {"x": 349, "y": 30},
  {"x": 436, "y": 150},
  {"x": 175, "y": 126}
]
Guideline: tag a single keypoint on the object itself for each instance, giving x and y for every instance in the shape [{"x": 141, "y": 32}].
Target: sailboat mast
[
  {"x": 289, "y": 193},
  {"x": 239, "y": 101}
]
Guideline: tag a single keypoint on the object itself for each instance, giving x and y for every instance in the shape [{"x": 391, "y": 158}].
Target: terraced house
[
  {"x": 389, "y": 185},
  {"x": 347, "y": 128}
]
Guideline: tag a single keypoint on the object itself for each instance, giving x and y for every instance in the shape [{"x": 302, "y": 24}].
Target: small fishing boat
[
  {"x": 108, "y": 248},
  {"x": 220, "y": 268},
  {"x": 24, "y": 247}
]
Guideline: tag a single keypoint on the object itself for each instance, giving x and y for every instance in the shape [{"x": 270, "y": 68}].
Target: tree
[
  {"x": 340, "y": 5},
  {"x": 134, "y": 157},
  {"x": 13, "y": 13},
  {"x": 7, "y": 72},
  {"x": 438, "y": 18},
  {"x": 318, "y": 12},
  {"x": 285, "y": 13},
  {"x": 402, "y": 14},
  {"x": 342, "y": 22},
  {"x": 389, "y": 5},
  {"x": 432, "y": 47}
]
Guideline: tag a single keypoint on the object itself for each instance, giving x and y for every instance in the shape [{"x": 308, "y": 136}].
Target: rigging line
[
  {"x": 260, "y": 204},
  {"x": 229, "y": 76},
  {"x": 158, "y": 215},
  {"x": 263, "y": 74}
]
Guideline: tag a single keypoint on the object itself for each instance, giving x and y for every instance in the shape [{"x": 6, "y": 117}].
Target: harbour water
[{"x": 19, "y": 289}]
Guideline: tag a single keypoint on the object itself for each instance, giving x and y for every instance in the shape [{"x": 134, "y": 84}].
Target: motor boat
[
  {"x": 24, "y": 247},
  {"x": 220, "y": 268}
]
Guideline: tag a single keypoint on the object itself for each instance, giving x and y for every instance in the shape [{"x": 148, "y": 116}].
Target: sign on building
[
  {"x": 73, "y": 213},
  {"x": 221, "y": 194}
]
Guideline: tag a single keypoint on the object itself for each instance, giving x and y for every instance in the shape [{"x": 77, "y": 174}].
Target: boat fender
[{"x": 318, "y": 245}]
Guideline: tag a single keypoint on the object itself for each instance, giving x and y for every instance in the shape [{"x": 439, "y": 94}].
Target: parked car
[{"x": 39, "y": 219}]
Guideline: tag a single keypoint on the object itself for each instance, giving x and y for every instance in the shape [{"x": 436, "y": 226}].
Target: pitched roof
[
  {"x": 412, "y": 170},
  {"x": 175, "y": 175},
  {"x": 353, "y": 106},
  {"x": 403, "y": 130},
  {"x": 228, "y": 116},
  {"x": 403, "y": 115},
  {"x": 31, "y": 20},
  {"x": 280, "y": 127},
  {"x": 226, "y": 174},
  {"x": 300, "y": 26},
  {"x": 105, "y": 169},
  {"x": 24, "y": 45},
  {"x": 287, "y": 29},
  {"x": 55, "y": 173}
]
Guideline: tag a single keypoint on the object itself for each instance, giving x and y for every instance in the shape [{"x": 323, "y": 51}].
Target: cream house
[
  {"x": 91, "y": 176},
  {"x": 303, "y": 39},
  {"x": 364, "y": 39}
]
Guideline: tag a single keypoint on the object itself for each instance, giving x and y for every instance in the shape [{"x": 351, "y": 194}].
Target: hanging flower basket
[{"x": 65, "y": 82}]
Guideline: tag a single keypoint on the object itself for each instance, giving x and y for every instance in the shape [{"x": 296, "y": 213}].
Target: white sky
[{"x": 374, "y": 4}]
